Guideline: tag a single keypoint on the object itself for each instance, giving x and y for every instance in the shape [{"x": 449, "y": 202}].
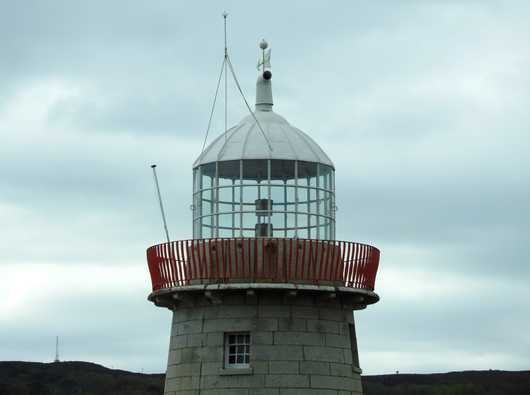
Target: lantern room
[{"x": 264, "y": 178}]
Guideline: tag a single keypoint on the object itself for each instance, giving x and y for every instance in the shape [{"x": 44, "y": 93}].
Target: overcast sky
[{"x": 424, "y": 107}]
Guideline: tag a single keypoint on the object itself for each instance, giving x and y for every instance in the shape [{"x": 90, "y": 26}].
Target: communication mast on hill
[{"x": 56, "y": 349}]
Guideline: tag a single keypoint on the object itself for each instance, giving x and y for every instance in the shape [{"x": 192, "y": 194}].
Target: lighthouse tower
[{"x": 263, "y": 294}]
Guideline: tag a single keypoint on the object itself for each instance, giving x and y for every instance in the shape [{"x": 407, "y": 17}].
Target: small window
[{"x": 237, "y": 349}]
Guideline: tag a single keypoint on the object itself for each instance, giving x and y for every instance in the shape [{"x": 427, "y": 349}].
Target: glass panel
[
  {"x": 277, "y": 196},
  {"x": 302, "y": 233},
  {"x": 208, "y": 175},
  {"x": 250, "y": 194},
  {"x": 225, "y": 194},
  {"x": 291, "y": 194},
  {"x": 206, "y": 203},
  {"x": 277, "y": 221},
  {"x": 249, "y": 220}
]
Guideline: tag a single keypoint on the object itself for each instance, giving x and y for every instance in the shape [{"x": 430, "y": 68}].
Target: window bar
[
  {"x": 285, "y": 207},
  {"x": 200, "y": 203},
  {"x": 333, "y": 208},
  {"x": 326, "y": 206},
  {"x": 233, "y": 207},
  {"x": 241, "y": 198},
  {"x": 269, "y": 205},
  {"x": 194, "y": 204},
  {"x": 295, "y": 198},
  {"x": 308, "y": 208},
  {"x": 216, "y": 194},
  {"x": 318, "y": 201}
]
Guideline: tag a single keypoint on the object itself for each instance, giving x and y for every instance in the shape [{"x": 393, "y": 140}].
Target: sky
[{"x": 422, "y": 105}]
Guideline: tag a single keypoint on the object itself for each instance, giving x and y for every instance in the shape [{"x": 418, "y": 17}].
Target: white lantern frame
[{"x": 225, "y": 195}]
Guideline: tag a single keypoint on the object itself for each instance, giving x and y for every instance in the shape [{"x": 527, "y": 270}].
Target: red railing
[{"x": 276, "y": 260}]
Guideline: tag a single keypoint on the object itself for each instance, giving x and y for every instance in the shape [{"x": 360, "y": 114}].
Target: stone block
[
  {"x": 323, "y": 354},
  {"x": 323, "y": 326},
  {"x": 340, "y": 341},
  {"x": 306, "y": 391},
  {"x": 314, "y": 367},
  {"x": 287, "y": 380},
  {"x": 292, "y": 324},
  {"x": 274, "y": 311},
  {"x": 178, "y": 341},
  {"x": 197, "y": 340},
  {"x": 277, "y": 353},
  {"x": 215, "y": 338},
  {"x": 182, "y": 383},
  {"x": 183, "y": 369},
  {"x": 261, "y": 338},
  {"x": 265, "y": 391},
  {"x": 341, "y": 369},
  {"x": 233, "y": 382},
  {"x": 260, "y": 367},
  {"x": 310, "y": 312},
  {"x": 331, "y": 314},
  {"x": 336, "y": 383},
  {"x": 187, "y": 327},
  {"x": 283, "y": 367},
  {"x": 299, "y": 338},
  {"x": 237, "y": 311},
  {"x": 229, "y": 325},
  {"x": 233, "y": 391},
  {"x": 211, "y": 368},
  {"x": 174, "y": 357},
  {"x": 266, "y": 324},
  {"x": 234, "y": 299},
  {"x": 187, "y": 314}
]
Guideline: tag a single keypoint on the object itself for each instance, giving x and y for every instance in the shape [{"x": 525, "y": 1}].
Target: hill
[
  {"x": 83, "y": 378},
  {"x": 74, "y": 378},
  {"x": 488, "y": 382}
]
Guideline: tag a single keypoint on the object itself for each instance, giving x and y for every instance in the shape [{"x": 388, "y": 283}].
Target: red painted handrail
[{"x": 225, "y": 260}]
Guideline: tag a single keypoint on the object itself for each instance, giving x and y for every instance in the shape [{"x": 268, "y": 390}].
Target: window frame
[{"x": 228, "y": 354}]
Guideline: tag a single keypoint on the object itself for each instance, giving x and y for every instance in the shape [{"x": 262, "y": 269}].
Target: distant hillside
[
  {"x": 74, "y": 378},
  {"x": 488, "y": 382},
  {"x": 83, "y": 378}
]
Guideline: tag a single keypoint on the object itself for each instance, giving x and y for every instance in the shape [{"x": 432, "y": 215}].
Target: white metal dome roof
[
  {"x": 277, "y": 139},
  {"x": 245, "y": 141}
]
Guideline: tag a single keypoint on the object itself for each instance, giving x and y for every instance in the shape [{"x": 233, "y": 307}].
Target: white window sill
[
  {"x": 235, "y": 371},
  {"x": 357, "y": 370}
]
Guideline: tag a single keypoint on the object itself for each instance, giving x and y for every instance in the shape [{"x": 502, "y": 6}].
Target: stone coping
[{"x": 370, "y": 297}]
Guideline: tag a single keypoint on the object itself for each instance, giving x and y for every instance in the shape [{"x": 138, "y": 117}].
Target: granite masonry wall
[{"x": 300, "y": 344}]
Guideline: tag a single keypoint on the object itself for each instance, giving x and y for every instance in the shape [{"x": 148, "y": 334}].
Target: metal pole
[
  {"x": 160, "y": 202},
  {"x": 225, "y": 14}
]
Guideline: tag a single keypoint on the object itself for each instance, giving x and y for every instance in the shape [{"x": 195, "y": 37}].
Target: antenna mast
[
  {"x": 160, "y": 202},
  {"x": 227, "y": 65},
  {"x": 56, "y": 349},
  {"x": 225, "y": 14}
]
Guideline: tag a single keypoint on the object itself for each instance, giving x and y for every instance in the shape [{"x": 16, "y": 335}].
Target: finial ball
[
  {"x": 263, "y": 44},
  {"x": 267, "y": 75}
]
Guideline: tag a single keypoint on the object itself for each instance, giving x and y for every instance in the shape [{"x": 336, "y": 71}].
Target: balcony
[{"x": 263, "y": 263}]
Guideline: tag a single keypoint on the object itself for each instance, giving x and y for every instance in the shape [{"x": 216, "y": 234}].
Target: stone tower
[{"x": 263, "y": 295}]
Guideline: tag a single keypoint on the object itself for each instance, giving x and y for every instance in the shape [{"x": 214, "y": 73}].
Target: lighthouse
[{"x": 263, "y": 295}]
